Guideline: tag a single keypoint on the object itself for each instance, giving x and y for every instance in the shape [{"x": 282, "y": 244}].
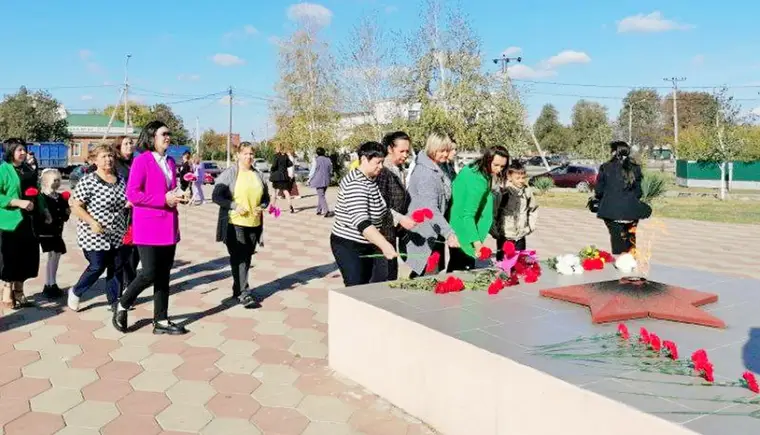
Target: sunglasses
[{"x": 166, "y": 134}]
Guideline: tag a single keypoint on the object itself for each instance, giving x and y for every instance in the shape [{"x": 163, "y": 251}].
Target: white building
[{"x": 383, "y": 113}]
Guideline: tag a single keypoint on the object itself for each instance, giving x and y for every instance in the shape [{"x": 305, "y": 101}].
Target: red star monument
[{"x": 613, "y": 301}]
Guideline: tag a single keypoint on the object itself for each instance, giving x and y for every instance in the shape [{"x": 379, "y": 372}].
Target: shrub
[
  {"x": 543, "y": 184},
  {"x": 653, "y": 185}
]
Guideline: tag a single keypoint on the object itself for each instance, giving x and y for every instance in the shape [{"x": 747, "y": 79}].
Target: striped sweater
[{"x": 359, "y": 205}]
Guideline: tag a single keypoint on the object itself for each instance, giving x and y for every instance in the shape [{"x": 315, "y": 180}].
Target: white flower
[
  {"x": 625, "y": 263},
  {"x": 569, "y": 264}
]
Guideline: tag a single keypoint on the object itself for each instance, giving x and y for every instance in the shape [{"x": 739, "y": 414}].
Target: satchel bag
[{"x": 592, "y": 205}]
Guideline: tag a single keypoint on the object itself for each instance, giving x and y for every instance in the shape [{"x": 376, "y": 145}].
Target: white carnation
[
  {"x": 625, "y": 263},
  {"x": 569, "y": 264}
]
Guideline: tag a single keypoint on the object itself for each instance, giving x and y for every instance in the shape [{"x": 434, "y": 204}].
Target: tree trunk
[{"x": 722, "y": 180}]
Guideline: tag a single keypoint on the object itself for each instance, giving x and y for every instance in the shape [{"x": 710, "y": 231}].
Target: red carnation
[
  {"x": 485, "y": 253},
  {"x": 530, "y": 276},
  {"x": 671, "y": 348},
  {"x": 707, "y": 372},
  {"x": 751, "y": 382},
  {"x": 509, "y": 249},
  {"x": 644, "y": 336},
  {"x": 513, "y": 280},
  {"x": 699, "y": 356},
  {"x": 606, "y": 256},
  {"x": 451, "y": 284},
  {"x": 622, "y": 331},
  {"x": 66, "y": 195},
  {"x": 654, "y": 343},
  {"x": 496, "y": 286},
  {"x": 32, "y": 191},
  {"x": 520, "y": 268},
  {"x": 536, "y": 267},
  {"x": 432, "y": 262},
  {"x": 127, "y": 239},
  {"x": 592, "y": 264},
  {"x": 420, "y": 215}
]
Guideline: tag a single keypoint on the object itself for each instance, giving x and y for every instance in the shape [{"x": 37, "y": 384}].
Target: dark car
[
  {"x": 211, "y": 168},
  {"x": 582, "y": 178}
]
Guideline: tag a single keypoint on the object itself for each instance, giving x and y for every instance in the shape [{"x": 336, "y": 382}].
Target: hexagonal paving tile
[
  {"x": 56, "y": 400},
  {"x": 271, "y": 328},
  {"x": 205, "y": 340},
  {"x": 190, "y": 392},
  {"x": 107, "y": 390},
  {"x": 73, "y": 378},
  {"x": 325, "y": 428},
  {"x": 233, "y": 406},
  {"x": 44, "y": 368},
  {"x": 132, "y": 425},
  {"x": 160, "y": 362},
  {"x": 38, "y": 423},
  {"x": 34, "y": 343},
  {"x": 197, "y": 370},
  {"x": 230, "y": 426},
  {"x": 232, "y": 383},
  {"x": 138, "y": 340},
  {"x": 238, "y": 347},
  {"x": 275, "y": 374},
  {"x": 285, "y": 421},
  {"x": 60, "y": 351},
  {"x": 239, "y": 364},
  {"x": 90, "y": 414},
  {"x": 153, "y": 381},
  {"x": 274, "y": 356},
  {"x": 184, "y": 418},
  {"x": 305, "y": 335},
  {"x": 280, "y": 342},
  {"x": 74, "y": 430},
  {"x": 277, "y": 395},
  {"x": 309, "y": 349},
  {"x": 11, "y": 409},
  {"x": 130, "y": 353},
  {"x": 49, "y": 331},
  {"x": 171, "y": 346},
  {"x": 24, "y": 388},
  {"x": 119, "y": 370},
  {"x": 326, "y": 409},
  {"x": 89, "y": 361},
  {"x": 143, "y": 403},
  {"x": 321, "y": 385},
  {"x": 19, "y": 358},
  {"x": 9, "y": 374}
]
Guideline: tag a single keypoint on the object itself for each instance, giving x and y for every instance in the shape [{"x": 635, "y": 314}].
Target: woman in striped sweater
[{"x": 359, "y": 212}]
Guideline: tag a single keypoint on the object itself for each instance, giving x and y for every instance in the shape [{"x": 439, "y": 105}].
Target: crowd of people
[{"x": 126, "y": 208}]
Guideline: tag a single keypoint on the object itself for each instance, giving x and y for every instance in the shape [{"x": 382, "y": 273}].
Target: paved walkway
[{"x": 245, "y": 371}]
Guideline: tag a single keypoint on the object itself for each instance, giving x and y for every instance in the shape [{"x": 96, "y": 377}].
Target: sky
[{"x": 188, "y": 56}]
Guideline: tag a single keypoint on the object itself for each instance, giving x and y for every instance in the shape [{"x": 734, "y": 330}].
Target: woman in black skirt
[
  {"x": 280, "y": 177},
  {"x": 50, "y": 232},
  {"x": 19, "y": 249}
]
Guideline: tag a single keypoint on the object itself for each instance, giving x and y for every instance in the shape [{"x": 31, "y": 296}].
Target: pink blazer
[{"x": 153, "y": 222}]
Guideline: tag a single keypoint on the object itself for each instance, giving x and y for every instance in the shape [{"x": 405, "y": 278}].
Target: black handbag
[
  {"x": 645, "y": 210},
  {"x": 592, "y": 205}
]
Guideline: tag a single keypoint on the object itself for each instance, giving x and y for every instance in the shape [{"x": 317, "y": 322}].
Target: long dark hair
[
  {"x": 621, "y": 152},
  {"x": 9, "y": 148},
  {"x": 483, "y": 164},
  {"x": 147, "y": 139}
]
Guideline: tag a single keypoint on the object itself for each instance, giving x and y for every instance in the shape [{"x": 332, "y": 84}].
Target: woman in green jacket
[
  {"x": 19, "y": 248},
  {"x": 472, "y": 206}
]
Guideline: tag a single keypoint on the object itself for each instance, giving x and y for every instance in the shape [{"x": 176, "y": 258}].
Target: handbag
[
  {"x": 645, "y": 210},
  {"x": 593, "y": 204}
]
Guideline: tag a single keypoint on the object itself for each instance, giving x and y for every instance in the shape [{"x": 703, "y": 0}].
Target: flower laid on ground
[
  {"x": 622, "y": 331},
  {"x": 671, "y": 349},
  {"x": 451, "y": 284},
  {"x": 432, "y": 262},
  {"x": 567, "y": 264},
  {"x": 32, "y": 191},
  {"x": 625, "y": 263},
  {"x": 508, "y": 248},
  {"x": 654, "y": 343},
  {"x": 593, "y": 258},
  {"x": 592, "y": 264},
  {"x": 274, "y": 211},
  {"x": 496, "y": 286},
  {"x": 702, "y": 365},
  {"x": 66, "y": 195},
  {"x": 749, "y": 381},
  {"x": 190, "y": 177},
  {"x": 421, "y": 215},
  {"x": 644, "y": 336},
  {"x": 484, "y": 253}
]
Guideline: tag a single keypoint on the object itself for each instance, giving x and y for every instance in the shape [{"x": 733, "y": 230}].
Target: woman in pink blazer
[{"x": 155, "y": 226}]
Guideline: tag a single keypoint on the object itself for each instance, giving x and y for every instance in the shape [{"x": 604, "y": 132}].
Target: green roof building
[{"x": 96, "y": 126}]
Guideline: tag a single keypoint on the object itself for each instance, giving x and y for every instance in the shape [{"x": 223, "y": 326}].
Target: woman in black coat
[
  {"x": 618, "y": 191},
  {"x": 124, "y": 149},
  {"x": 280, "y": 177}
]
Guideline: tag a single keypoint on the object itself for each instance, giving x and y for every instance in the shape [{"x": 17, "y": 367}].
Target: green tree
[
  {"x": 694, "y": 109},
  {"x": 550, "y": 133},
  {"x": 32, "y": 116},
  {"x": 213, "y": 145},
  {"x": 501, "y": 121},
  {"x": 306, "y": 112},
  {"x": 141, "y": 114},
  {"x": 591, "y": 130},
  {"x": 640, "y": 119}
]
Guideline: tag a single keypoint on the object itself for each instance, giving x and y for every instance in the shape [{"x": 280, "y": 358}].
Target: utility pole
[
  {"x": 675, "y": 81},
  {"x": 630, "y": 124},
  {"x": 197, "y": 137},
  {"x": 229, "y": 132},
  {"x": 504, "y": 60},
  {"x": 126, "y": 95}
]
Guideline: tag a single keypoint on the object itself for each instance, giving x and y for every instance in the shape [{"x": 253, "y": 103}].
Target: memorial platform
[{"x": 465, "y": 362}]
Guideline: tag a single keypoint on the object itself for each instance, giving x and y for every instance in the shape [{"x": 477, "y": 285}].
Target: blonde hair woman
[
  {"x": 50, "y": 232},
  {"x": 430, "y": 187}
]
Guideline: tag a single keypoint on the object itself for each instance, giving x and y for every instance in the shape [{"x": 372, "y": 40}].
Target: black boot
[
  {"x": 119, "y": 319},
  {"x": 168, "y": 328}
]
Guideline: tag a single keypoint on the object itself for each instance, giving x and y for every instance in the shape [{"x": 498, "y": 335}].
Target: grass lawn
[{"x": 701, "y": 209}]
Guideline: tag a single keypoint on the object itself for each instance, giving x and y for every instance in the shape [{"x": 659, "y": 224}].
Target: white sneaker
[{"x": 73, "y": 301}]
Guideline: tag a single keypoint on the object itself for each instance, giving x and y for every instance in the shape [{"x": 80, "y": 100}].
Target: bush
[
  {"x": 543, "y": 184},
  {"x": 653, "y": 185}
]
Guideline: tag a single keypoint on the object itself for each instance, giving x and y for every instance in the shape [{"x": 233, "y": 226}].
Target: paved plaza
[{"x": 250, "y": 371}]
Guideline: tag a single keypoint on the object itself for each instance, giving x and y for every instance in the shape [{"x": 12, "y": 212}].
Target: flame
[{"x": 643, "y": 256}]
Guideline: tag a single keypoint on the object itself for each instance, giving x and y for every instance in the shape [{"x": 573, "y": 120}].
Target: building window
[
  {"x": 76, "y": 149},
  {"x": 414, "y": 115}
]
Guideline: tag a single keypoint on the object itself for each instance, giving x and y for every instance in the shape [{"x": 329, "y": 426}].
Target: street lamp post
[{"x": 504, "y": 60}]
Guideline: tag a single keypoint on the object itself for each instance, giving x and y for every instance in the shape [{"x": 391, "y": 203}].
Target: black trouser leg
[
  {"x": 622, "y": 236},
  {"x": 459, "y": 260},
  {"x": 520, "y": 245},
  {"x": 157, "y": 262},
  {"x": 241, "y": 244},
  {"x": 383, "y": 269},
  {"x": 352, "y": 260}
]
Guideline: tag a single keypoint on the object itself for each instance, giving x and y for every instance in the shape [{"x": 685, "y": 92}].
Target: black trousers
[
  {"x": 156, "y": 269},
  {"x": 440, "y": 248},
  {"x": 383, "y": 269},
  {"x": 99, "y": 262},
  {"x": 622, "y": 236},
  {"x": 241, "y": 245},
  {"x": 353, "y": 260},
  {"x": 130, "y": 259},
  {"x": 459, "y": 260},
  {"x": 500, "y": 241}
]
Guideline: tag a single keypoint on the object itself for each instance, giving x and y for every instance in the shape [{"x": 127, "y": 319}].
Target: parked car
[
  {"x": 211, "y": 168},
  {"x": 582, "y": 178},
  {"x": 208, "y": 179}
]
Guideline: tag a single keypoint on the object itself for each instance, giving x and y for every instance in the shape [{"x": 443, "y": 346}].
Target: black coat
[
  {"x": 617, "y": 201},
  {"x": 279, "y": 169}
]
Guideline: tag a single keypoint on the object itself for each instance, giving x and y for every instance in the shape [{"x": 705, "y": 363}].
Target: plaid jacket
[{"x": 396, "y": 197}]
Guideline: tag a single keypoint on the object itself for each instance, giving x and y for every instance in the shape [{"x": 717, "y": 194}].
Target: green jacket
[
  {"x": 471, "y": 208},
  {"x": 10, "y": 189}
]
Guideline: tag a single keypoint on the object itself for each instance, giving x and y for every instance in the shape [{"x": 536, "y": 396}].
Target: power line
[
  {"x": 617, "y": 98},
  {"x": 55, "y": 88},
  {"x": 591, "y": 85}
]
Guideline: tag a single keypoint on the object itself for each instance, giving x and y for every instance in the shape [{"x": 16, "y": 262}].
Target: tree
[
  {"x": 591, "y": 130},
  {"x": 213, "y": 145},
  {"x": 34, "y": 117},
  {"x": 640, "y": 119},
  {"x": 501, "y": 121},
  {"x": 306, "y": 109},
  {"x": 141, "y": 114},
  {"x": 550, "y": 133},
  {"x": 694, "y": 109}
]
